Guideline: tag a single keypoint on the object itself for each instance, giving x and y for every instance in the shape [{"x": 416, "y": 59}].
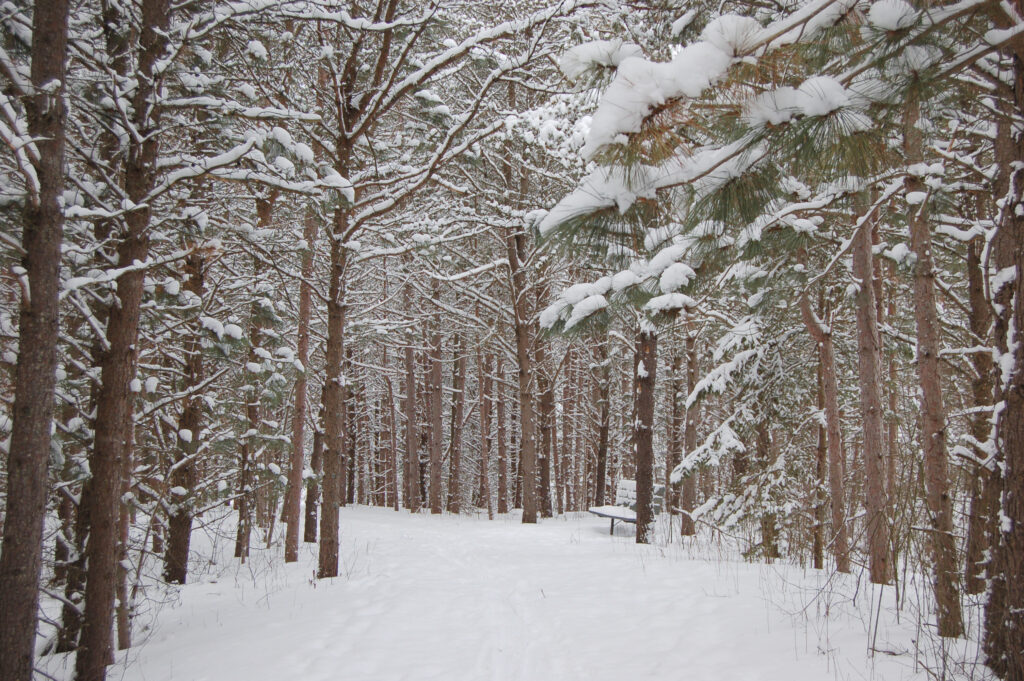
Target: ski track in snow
[{"x": 460, "y": 598}]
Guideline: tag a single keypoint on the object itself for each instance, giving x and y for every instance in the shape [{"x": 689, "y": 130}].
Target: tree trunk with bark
[
  {"x": 36, "y": 378},
  {"x": 458, "y": 414},
  {"x": 933, "y": 412},
  {"x": 334, "y": 395},
  {"x": 822, "y": 336},
  {"x": 516, "y": 246},
  {"x": 316, "y": 465},
  {"x": 183, "y": 470},
  {"x": 434, "y": 404},
  {"x": 413, "y": 497},
  {"x": 1004, "y": 628},
  {"x": 502, "y": 444},
  {"x": 603, "y": 389},
  {"x": 868, "y": 358},
  {"x": 486, "y": 383},
  {"x": 117, "y": 367},
  {"x": 688, "y": 500},
  {"x": 293, "y": 495},
  {"x": 645, "y": 368},
  {"x": 984, "y": 479}
]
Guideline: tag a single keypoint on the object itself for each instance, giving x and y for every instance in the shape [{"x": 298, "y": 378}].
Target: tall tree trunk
[
  {"x": 36, "y": 378},
  {"x": 984, "y": 480},
  {"x": 868, "y": 357},
  {"x": 1004, "y": 629},
  {"x": 502, "y": 445},
  {"x": 117, "y": 366},
  {"x": 293, "y": 494},
  {"x": 516, "y": 246},
  {"x": 392, "y": 463},
  {"x": 933, "y": 412},
  {"x": 486, "y": 382},
  {"x": 316, "y": 465},
  {"x": 434, "y": 403},
  {"x": 458, "y": 413},
  {"x": 765, "y": 459},
  {"x": 822, "y": 335},
  {"x": 820, "y": 499},
  {"x": 688, "y": 500},
  {"x": 334, "y": 397},
  {"x": 183, "y": 470},
  {"x": 645, "y": 368},
  {"x": 604, "y": 383},
  {"x": 124, "y": 602},
  {"x": 674, "y": 425},
  {"x": 413, "y": 497},
  {"x": 545, "y": 419}
]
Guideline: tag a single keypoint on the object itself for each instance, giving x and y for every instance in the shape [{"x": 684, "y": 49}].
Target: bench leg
[{"x": 611, "y": 530}]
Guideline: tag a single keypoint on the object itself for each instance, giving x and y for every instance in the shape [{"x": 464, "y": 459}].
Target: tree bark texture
[
  {"x": 293, "y": 495},
  {"x": 645, "y": 368},
  {"x": 333, "y": 402},
  {"x": 822, "y": 335},
  {"x": 29, "y": 447},
  {"x": 868, "y": 360}
]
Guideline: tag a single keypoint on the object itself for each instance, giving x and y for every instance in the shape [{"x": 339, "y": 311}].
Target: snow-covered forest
[{"x": 335, "y": 335}]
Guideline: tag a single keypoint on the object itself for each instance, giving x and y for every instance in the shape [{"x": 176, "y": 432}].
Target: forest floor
[{"x": 461, "y": 598}]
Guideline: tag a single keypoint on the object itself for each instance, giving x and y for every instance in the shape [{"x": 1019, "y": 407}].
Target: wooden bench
[{"x": 624, "y": 508}]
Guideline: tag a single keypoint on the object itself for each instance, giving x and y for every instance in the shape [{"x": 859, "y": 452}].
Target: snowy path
[{"x": 462, "y": 599}]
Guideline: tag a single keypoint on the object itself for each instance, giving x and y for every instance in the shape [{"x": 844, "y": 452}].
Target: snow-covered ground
[{"x": 462, "y": 598}]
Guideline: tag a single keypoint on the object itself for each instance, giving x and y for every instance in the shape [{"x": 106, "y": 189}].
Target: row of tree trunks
[{"x": 29, "y": 448}]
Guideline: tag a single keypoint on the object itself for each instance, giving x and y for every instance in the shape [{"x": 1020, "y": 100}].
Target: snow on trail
[{"x": 466, "y": 599}]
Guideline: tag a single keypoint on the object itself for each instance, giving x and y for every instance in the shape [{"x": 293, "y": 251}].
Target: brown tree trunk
[
  {"x": 413, "y": 497},
  {"x": 292, "y": 499},
  {"x": 458, "y": 413},
  {"x": 765, "y": 459},
  {"x": 674, "y": 425},
  {"x": 392, "y": 425},
  {"x": 316, "y": 465},
  {"x": 603, "y": 380},
  {"x": 29, "y": 447},
  {"x": 568, "y": 436},
  {"x": 434, "y": 404},
  {"x": 546, "y": 422},
  {"x": 124, "y": 605},
  {"x": 820, "y": 499},
  {"x": 486, "y": 383},
  {"x": 502, "y": 445},
  {"x": 868, "y": 356},
  {"x": 333, "y": 399},
  {"x": 117, "y": 366},
  {"x": 645, "y": 367},
  {"x": 516, "y": 246},
  {"x": 183, "y": 470},
  {"x": 1004, "y": 628},
  {"x": 822, "y": 335},
  {"x": 933, "y": 413},
  {"x": 984, "y": 480},
  {"x": 688, "y": 500}
]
